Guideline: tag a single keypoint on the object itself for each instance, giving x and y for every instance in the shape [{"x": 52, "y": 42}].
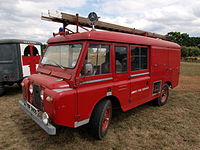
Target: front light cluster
[
  {"x": 31, "y": 89},
  {"x": 22, "y": 84},
  {"x": 42, "y": 94},
  {"x": 45, "y": 118},
  {"x": 48, "y": 98}
]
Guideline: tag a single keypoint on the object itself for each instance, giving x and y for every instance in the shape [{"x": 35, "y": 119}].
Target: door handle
[
  {"x": 122, "y": 86},
  {"x": 155, "y": 65}
]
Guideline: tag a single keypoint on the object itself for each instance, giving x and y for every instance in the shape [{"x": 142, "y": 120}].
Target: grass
[
  {"x": 190, "y": 69},
  {"x": 175, "y": 126}
]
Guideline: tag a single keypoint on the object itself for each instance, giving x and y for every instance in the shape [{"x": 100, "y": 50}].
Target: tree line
[{"x": 190, "y": 45}]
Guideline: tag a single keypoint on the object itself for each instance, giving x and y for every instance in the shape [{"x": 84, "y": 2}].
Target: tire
[
  {"x": 19, "y": 84},
  {"x": 164, "y": 94},
  {"x": 100, "y": 119},
  {"x": 10, "y": 83},
  {"x": 2, "y": 89}
]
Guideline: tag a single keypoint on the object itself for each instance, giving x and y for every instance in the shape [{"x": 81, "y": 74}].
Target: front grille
[{"x": 37, "y": 102}]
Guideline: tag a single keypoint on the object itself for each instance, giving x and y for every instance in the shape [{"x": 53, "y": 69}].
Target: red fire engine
[{"x": 83, "y": 76}]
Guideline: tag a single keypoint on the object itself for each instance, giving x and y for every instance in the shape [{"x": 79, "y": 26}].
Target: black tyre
[
  {"x": 164, "y": 93},
  {"x": 19, "y": 84},
  {"x": 100, "y": 119},
  {"x": 2, "y": 90},
  {"x": 10, "y": 83}
]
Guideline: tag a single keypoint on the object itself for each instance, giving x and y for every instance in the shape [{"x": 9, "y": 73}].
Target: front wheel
[{"x": 100, "y": 119}]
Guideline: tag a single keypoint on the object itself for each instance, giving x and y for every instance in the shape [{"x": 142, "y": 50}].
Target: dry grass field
[{"x": 175, "y": 126}]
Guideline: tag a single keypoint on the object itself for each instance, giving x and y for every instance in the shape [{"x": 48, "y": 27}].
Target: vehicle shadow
[{"x": 12, "y": 90}]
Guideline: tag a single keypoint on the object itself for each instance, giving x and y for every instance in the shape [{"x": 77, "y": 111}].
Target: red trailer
[{"x": 83, "y": 76}]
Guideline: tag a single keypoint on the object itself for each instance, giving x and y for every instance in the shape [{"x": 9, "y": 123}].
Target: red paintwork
[
  {"x": 31, "y": 60},
  {"x": 113, "y": 37},
  {"x": 106, "y": 119},
  {"x": 77, "y": 105}
]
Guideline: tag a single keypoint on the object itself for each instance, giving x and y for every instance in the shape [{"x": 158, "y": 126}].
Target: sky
[{"x": 21, "y": 19}]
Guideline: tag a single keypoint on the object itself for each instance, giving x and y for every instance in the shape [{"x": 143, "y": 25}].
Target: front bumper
[{"x": 34, "y": 114}]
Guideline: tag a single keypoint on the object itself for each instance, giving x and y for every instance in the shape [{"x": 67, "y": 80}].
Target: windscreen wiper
[{"x": 59, "y": 65}]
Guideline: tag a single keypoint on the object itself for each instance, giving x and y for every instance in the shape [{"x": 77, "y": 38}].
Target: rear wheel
[
  {"x": 100, "y": 119},
  {"x": 164, "y": 93},
  {"x": 2, "y": 89}
]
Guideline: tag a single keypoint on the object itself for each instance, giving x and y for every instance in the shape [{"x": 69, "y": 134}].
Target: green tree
[
  {"x": 190, "y": 51},
  {"x": 182, "y": 39},
  {"x": 190, "y": 45},
  {"x": 194, "y": 41},
  {"x": 184, "y": 51}
]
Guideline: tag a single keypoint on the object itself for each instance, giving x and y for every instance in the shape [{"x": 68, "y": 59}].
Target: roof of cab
[
  {"x": 16, "y": 41},
  {"x": 113, "y": 37}
]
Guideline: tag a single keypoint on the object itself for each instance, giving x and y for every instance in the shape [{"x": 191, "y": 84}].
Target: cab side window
[
  {"x": 97, "y": 60},
  {"x": 121, "y": 63},
  {"x": 139, "y": 58}
]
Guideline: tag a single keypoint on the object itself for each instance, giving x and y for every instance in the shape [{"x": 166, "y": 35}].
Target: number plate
[{"x": 31, "y": 108}]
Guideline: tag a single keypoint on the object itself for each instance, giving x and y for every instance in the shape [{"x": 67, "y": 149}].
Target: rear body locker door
[
  {"x": 160, "y": 63},
  {"x": 174, "y": 66}
]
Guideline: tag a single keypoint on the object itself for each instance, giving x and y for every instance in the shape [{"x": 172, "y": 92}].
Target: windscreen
[{"x": 64, "y": 56}]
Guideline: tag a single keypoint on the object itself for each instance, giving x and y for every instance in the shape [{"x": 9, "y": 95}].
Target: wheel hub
[{"x": 106, "y": 119}]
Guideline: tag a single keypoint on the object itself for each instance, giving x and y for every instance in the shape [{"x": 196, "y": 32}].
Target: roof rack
[{"x": 82, "y": 22}]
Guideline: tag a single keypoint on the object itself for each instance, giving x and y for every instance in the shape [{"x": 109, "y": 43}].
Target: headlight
[
  {"x": 31, "y": 89},
  {"x": 42, "y": 95},
  {"x": 22, "y": 84},
  {"x": 45, "y": 118}
]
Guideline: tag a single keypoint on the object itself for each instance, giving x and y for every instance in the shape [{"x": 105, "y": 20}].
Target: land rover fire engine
[{"x": 83, "y": 76}]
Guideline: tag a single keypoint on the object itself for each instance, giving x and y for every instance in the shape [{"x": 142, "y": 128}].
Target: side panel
[
  {"x": 89, "y": 93},
  {"x": 9, "y": 63},
  {"x": 159, "y": 69},
  {"x": 165, "y": 65},
  {"x": 63, "y": 109},
  {"x": 132, "y": 88},
  {"x": 30, "y": 58}
]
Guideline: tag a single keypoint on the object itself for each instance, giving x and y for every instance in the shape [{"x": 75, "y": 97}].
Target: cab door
[
  {"x": 139, "y": 75},
  {"x": 95, "y": 78},
  {"x": 121, "y": 75}
]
